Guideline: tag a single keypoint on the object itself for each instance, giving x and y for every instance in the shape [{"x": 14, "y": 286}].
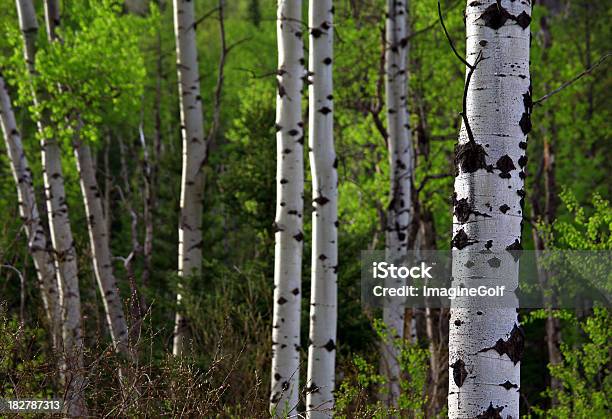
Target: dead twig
[{"x": 572, "y": 81}]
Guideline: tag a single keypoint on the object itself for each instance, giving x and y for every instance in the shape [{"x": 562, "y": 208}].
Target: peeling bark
[
  {"x": 487, "y": 347},
  {"x": 289, "y": 212},
  {"x": 323, "y": 307},
  {"x": 194, "y": 157}
]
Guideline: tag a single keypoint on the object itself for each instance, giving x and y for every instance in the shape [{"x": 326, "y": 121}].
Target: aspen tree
[
  {"x": 96, "y": 219},
  {"x": 100, "y": 246},
  {"x": 486, "y": 341},
  {"x": 38, "y": 242},
  {"x": 399, "y": 216},
  {"x": 323, "y": 164},
  {"x": 71, "y": 367},
  {"x": 288, "y": 222},
  {"x": 194, "y": 156}
]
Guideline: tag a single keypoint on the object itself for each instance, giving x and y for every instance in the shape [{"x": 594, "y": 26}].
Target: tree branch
[
  {"x": 431, "y": 177},
  {"x": 465, "y": 92},
  {"x": 572, "y": 81},
  {"x": 203, "y": 18},
  {"x": 450, "y": 41},
  {"x": 220, "y": 76}
]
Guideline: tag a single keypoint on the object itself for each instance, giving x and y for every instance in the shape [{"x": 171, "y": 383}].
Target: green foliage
[
  {"x": 96, "y": 73},
  {"x": 250, "y": 149},
  {"x": 24, "y": 369},
  {"x": 584, "y": 372},
  {"x": 587, "y": 231},
  {"x": 354, "y": 397},
  {"x": 117, "y": 72}
]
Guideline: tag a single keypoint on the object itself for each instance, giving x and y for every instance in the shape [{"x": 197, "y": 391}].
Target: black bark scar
[
  {"x": 491, "y": 412},
  {"x": 459, "y": 372},
  {"x": 463, "y": 209},
  {"x": 469, "y": 157},
  {"x": 330, "y": 345},
  {"x": 508, "y": 385},
  {"x": 505, "y": 165},
  {"x": 513, "y": 346},
  {"x": 461, "y": 240},
  {"x": 495, "y": 16}
]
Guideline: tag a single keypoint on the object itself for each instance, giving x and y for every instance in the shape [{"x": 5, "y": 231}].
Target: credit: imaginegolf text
[{"x": 385, "y": 270}]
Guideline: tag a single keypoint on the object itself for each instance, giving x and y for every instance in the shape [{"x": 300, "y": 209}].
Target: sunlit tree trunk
[
  {"x": 486, "y": 343},
  {"x": 323, "y": 164},
  {"x": 96, "y": 220},
  {"x": 194, "y": 156},
  {"x": 52, "y": 18},
  {"x": 399, "y": 214},
  {"x": 289, "y": 211},
  {"x": 100, "y": 246},
  {"x": 39, "y": 244},
  {"x": 62, "y": 241}
]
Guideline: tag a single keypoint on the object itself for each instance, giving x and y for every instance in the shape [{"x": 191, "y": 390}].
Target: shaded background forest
[{"x": 120, "y": 67}]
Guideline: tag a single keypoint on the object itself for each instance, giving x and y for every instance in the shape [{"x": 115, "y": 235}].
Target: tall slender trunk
[
  {"x": 38, "y": 241},
  {"x": 71, "y": 367},
  {"x": 100, "y": 246},
  {"x": 548, "y": 213},
  {"x": 288, "y": 221},
  {"x": 108, "y": 183},
  {"x": 136, "y": 310},
  {"x": 150, "y": 170},
  {"x": 399, "y": 215},
  {"x": 96, "y": 220},
  {"x": 323, "y": 164},
  {"x": 486, "y": 343},
  {"x": 194, "y": 157}
]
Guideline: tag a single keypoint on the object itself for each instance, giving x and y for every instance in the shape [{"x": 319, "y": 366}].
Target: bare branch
[
  {"x": 450, "y": 41},
  {"x": 431, "y": 177},
  {"x": 257, "y": 76},
  {"x": 220, "y": 76},
  {"x": 465, "y": 92},
  {"x": 572, "y": 81},
  {"x": 206, "y": 16}
]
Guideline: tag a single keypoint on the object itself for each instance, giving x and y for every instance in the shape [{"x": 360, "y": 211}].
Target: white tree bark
[
  {"x": 288, "y": 222},
  {"x": 26, "y": 13},
  {"x": 38, "y": 242},
  {"x": 486, "y": 343},
  {"x": 399, "y": 215},
  {"x": 64, "y": 251},
  {"x": 52, "y": 18},
  {"x": 323, "y": 163},
  {"x": 194, "y": 157},
  {"x": 100, "y": 248},
  {"x": 96, "y": 221}
]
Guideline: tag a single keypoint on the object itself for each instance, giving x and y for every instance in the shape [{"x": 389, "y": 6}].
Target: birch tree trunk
[
  {"x": 72, "y": 367},
  {"x": 486, "y": 343},
  {"x": 96, "y": 221},
  {"x": 399, "y": 215},
  {"x": 52, "y": 18},
  {"x": 100, "y": 247},
  {"x": 323, "y": 164},
  {"x": 194, "y": 157},
  {"x": 288, "y": 222},
  {"x": 38, "y": 242}
]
